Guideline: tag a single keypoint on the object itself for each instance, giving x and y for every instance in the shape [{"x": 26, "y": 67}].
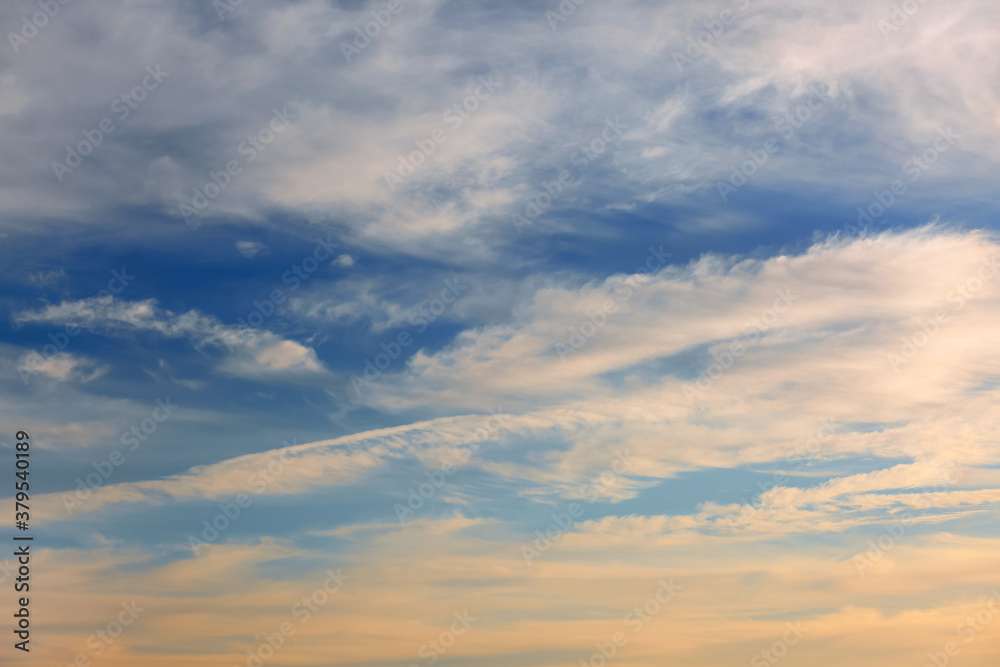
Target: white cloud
[
  {"x": 858, "y": 297},
  {"x": 61, "y": 366},
  {"x": 826, "y": 358},
  {"x": 250, "y": 249},
  {"x": 899, "y": 87},
  {"x": 252, "y": 354}
]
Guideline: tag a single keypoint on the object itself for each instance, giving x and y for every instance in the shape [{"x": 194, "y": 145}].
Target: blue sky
[{"x": 718, "y": 276}]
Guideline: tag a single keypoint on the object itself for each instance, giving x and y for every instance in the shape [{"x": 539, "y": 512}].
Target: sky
[{"x": 525, "y": 332}]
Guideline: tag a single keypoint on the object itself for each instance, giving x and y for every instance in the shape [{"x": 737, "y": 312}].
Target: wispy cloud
[{"x": 249, "y": 353}]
